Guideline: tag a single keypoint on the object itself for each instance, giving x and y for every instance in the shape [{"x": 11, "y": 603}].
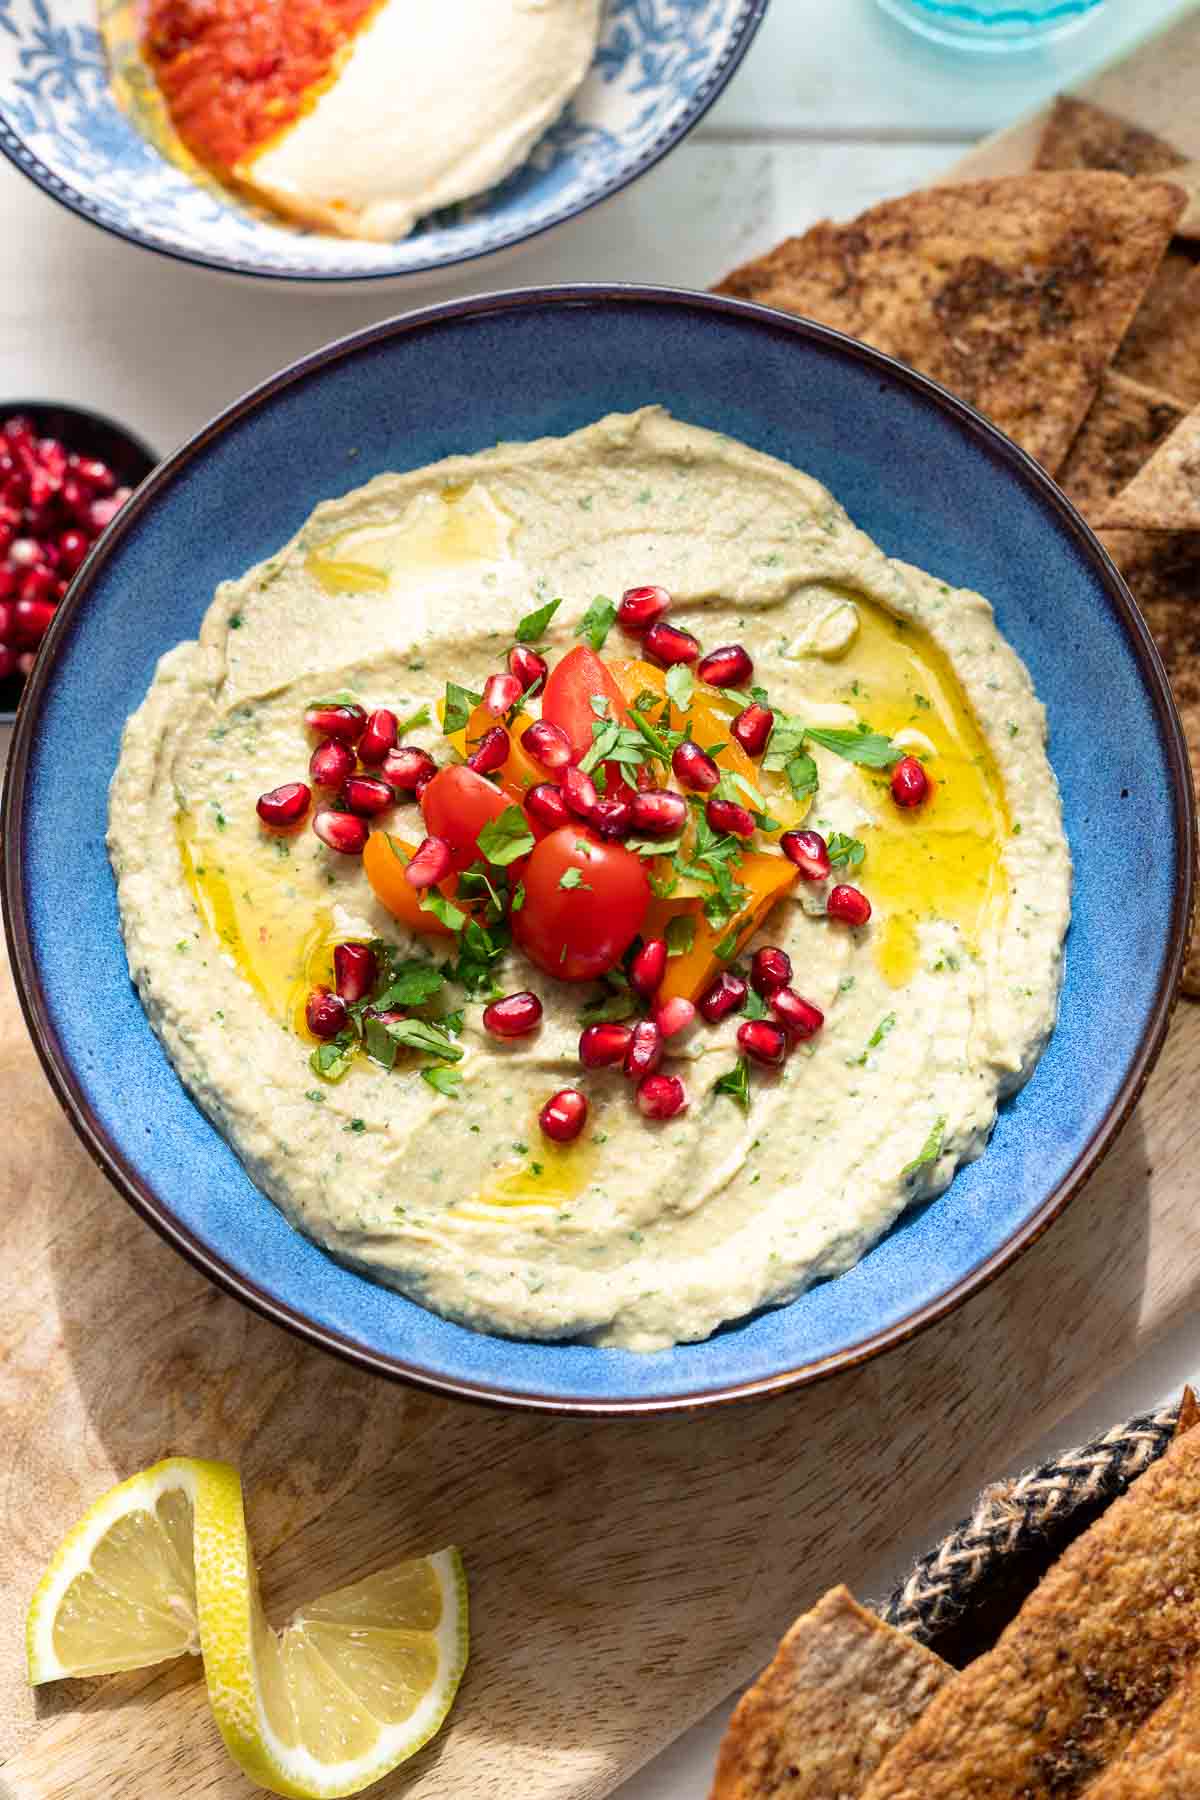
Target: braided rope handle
[{"x": 1030, "y": 1514}]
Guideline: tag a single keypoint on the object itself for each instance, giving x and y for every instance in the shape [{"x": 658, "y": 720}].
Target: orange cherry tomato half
[
  {"x": 384, "y": 862},
  {"x": 456, "y": 806},
  {"x": 580, "y": 931},
  {"x": 567, "y": 701}
]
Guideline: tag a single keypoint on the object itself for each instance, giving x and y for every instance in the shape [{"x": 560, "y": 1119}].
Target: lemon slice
[{"x": 352, "y": 1686}]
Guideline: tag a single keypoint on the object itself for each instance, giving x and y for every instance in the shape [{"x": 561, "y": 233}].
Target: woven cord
[{"x": 1028, "y": 1514}]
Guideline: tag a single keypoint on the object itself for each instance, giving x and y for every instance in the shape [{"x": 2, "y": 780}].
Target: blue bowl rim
[
  {"x": 14, "y": 147},
  {"x": 157, "y": 1212}
]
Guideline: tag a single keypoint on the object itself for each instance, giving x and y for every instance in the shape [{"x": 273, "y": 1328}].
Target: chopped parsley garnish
[
  {"x": 845, "y": 850},
  {"x": 385, "y": 1037},
  {"x": 518, "y": 898},
  {"x": 573, "y": 878},
  {"x": 756, "y": 1007},
  {"x": 452, "y": 917},
  {"x": 736, "y": 1083},
  {"x": 357, "y": 1126},
  {"x": 681, "y": 685},
  {"x": 931, "y": 1149},
  {"x": 443, "y": 1080},
  {"x": 507, "y": 838},
  {"x": 873, "y": 1042},
  {"x": 531, "y": 627},
  {"x": 614, "y": 742},
  {"x": 863, "y": 746},
  {"x": 713, "y": 853},
  {"x": 412, "y": 720},
  {"x": 681, "y": 934},
  {"x": 597, "y": 622},
  {"x": 785, "y": 754},
  {"x": 411, "y": 983},
  {"x": 332, "y": 1060},
  {"x": 460, "y": 703}
]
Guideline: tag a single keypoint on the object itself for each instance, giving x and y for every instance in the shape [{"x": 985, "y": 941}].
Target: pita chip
[
  {"x": 1162, "y": 345},
  {"x": 1165, "y": 493},
  {"x": 1163, "y": 1761},
  {"x": 1105, "y": 1637},
  {"x": 1189, "y": 1412},
  {"x": 1124, "y": 426},
  {"x": 817, "y": 1723},
  {"x": 1079, "y": 135},
  {"x": 1013, "y": 292}
]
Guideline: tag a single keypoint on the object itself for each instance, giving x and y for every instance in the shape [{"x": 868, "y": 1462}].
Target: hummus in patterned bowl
[{"x": 743, "y": 1126}]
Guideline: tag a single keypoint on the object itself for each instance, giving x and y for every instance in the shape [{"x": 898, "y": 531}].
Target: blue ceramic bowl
[
  {"x": 928, "y": 478},
  {"x": 659, "y": 66}
]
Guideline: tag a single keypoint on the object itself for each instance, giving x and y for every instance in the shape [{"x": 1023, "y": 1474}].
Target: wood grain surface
[{"x": 624, "y": 1576}]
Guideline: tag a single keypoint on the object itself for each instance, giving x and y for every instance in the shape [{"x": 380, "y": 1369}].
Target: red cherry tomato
[
  {"x": 456, "y": 806},
  {"x": 579, "y": 931},
  {"x": 567, "y": 701}
]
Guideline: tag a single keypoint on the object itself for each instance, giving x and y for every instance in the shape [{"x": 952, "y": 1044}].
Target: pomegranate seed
[
  {"x": 491, "y": 752},
  {"x": 641, "y": 607},
  {"x": 668, "y": 644},
  {"x": 501, "y": 693},
  {"x": 368, "y": 795},
  {"x": 513, "y": 1016},
  {"x": 25, "y": 663},
  {"x": 849, "y": 904},
  {"x": 378, "y": 737},
  {"x": 93, "y": 474},
  {"x": 660, "y": 1096},
  {"x": 770, "y": 969},
  {"x": 53, "y": 457},
  {"x": 406, "y": 767},
  {"x": 76, "y": 502},
  {"x": 602, "y": 1045},
  {"x": 101, "y": 513},
  {"x": 674, "y": 1015},
  {"x": 579, "y": 792},
  {"x": 648, "y": 967},
  {"x": 728, "y": 667},
  {"x": 727, "y": 815},
  {"x": 30, "y": 621},
  {"x": 644, "y": 1051},
  {"x": 726, "y": 995},
  {"x": 72, "y": 548},
  {"x": 431, "y": 862},
  {"x": 564, "y": 1115},
  {"x": 799, "y": 1018},
  {"x": 10, "y": 581},
  {"x": 423, "y": 781},
  {"x": 547, "y": 744},
  {"x": 613, "y": 819},
  {"x": 529, "y": 668},
  {"x": 325, "y": 1013},
  {"x": 39, "y": 584},
  {"x": 342, "y": 831},
  {"x": 330, "y": 763},
  {"x": 284, "y": 805},
  {"x": 346, "y": 723},
  {"x": 910, "y": 783},
  {"x": 752, "y": 728},
  {"x": 18, "y": 429},
  {"x": 546, "y": 806},
  {"x": 809, "y": 851},
  {"x": 355, "y": 971},
  {"x": 658, "y": 813},
  {"x": 6, "y": 613},
  {"x": 8, "y": 662},
  {"x": 7, "y": 534},
  {"x": 694, "y": 767},
  {"x": 762, "y": 1041},
  {"x": 26, "y": 553}
]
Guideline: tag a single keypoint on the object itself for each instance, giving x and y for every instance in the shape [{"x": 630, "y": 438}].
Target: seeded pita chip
[
  {"x": 1095, "y": 1650},
  {"x": 1162, "y": 345},
  {"x": 1125, "y": 425},
  {"x": 1163, "y": 570},
  {"x": 1013, "y": 292},
  {"x": 817, "y": 1723},
  {"x": 1165, "y": 493},
  {"x": 1079, "y": 135}
]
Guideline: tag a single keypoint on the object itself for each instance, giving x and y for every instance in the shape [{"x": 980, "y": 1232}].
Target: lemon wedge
[{"x": 351, "y": 1687}]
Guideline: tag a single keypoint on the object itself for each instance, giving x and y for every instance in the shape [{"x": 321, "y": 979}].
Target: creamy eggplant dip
[{"x": 592, "y": 886}]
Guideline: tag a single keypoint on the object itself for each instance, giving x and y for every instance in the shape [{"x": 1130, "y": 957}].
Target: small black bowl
[{"x": 89, "y": 434}]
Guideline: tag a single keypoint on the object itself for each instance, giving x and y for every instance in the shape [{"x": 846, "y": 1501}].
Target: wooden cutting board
[{"x": 624, "y": 1576}]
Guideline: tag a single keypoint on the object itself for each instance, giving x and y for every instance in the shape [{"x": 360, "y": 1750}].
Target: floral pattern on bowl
[{"x": 659, "y": 65}]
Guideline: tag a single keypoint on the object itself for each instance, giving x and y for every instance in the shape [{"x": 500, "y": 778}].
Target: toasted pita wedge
[
  {"x": 1162, "y": 345},
  {"x": 1014, "y": 293},
  {"x": 1187, "y": 177},
  {"x": 1163, "y": 1761},
  {"x": 1125, "y": 425},
  {"x": 817, "y": 1723},
  {"x": 1165, "y": 493},
  {"x": 1189, "y": 1412},
  {"x": 1104, "y": 1638},
  {"x": 1163, "y": 570},
  {"x": 1079, "y": 135}
]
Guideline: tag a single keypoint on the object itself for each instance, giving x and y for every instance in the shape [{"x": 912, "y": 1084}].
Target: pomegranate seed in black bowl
[{"x": 65, "y": 473}]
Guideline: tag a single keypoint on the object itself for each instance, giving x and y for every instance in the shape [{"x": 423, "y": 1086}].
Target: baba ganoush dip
[{"x": 550, "y": 1067}]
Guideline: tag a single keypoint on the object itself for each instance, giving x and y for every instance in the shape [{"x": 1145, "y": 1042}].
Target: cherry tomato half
[
  {"x": 456, "y": 806},
  {"x": 579, "y": 931},
  {"x": 567, "y": 701}
]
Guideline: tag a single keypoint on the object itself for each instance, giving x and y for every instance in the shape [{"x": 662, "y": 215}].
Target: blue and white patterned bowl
[
  {"x": 659, "y": 66},
  {"x": 924, "y": 475}
]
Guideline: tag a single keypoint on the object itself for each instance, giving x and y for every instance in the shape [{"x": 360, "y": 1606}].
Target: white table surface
[{"x": 835, "y": 107}]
